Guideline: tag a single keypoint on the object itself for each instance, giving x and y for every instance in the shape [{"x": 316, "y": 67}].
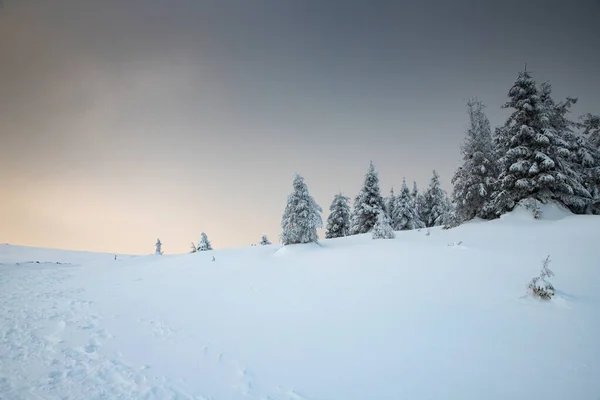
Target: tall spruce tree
[
  {"x": 405, "y": 214},
  {"x": 158, "y": 246},
  {"x": 301, "y": 217},
  {"x": 536, "y": 160},
  {"x": 338, "y": 222},
  {"x": 436, "y": 203},
  {"x": 367, "y": 204},
  {"x": 204, "y": 243},
  {"x": 473, "y": 181}
]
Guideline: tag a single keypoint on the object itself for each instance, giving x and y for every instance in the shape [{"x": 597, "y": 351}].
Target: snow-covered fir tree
[
  {"x": 591, "y": 128},
  {"x": 338, "y": 222},
  {"x": 535, "y": 162},
  {"x": 367, "y": 204},
  {"x": 473, "y": 181},
  {"x": 405, "y": 214},
  {"x": 382, "y": 228},
  {"x": 389, "y": 203},
  {"x": 264, "y": 241},
  {"x": 573, "y": 165},
  {"x": 435, "y": 206},
  {"x": 419, "y": 202},
  {"x": 540, "y": 286},
  {"x": 194, "y": 248},
  {"x": 302, "y": 216},
  {"x": 158, "y": 247},
  {"x": 204, "y": 243}
]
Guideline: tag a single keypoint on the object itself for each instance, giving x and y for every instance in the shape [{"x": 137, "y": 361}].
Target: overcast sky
[{"x": 124, "y": 121}]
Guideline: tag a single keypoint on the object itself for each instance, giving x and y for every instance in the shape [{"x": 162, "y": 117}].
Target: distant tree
[
  {"x": 419, "y": 202},
  {"x": 475, "y": 179},
  {"x": 264, "y": 241},
  {"x": 536, "y": 160},
  {"x": 338, "y": 222},
  {"x": 389, "y": 203},
  {"x": 382, "y": 228},
  {"x": 301, "y": 217},
  {"x": 194, "y": 248},
  {"x": 405, "y": 215},
  {"x": 436, "y": 203},
  {"x": 367, "y": 204},
  {"x": 158, "y": 247},
  {"x": 204, "y": 243}
]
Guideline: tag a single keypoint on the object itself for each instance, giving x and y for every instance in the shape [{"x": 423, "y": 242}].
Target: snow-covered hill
[{"x": 438, "y": 316}]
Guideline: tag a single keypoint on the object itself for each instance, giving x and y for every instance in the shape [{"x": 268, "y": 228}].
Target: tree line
[{"x": 537, "y": 156}]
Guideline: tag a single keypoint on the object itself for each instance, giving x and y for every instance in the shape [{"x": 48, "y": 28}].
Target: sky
[{"x": 124, "y": 121}]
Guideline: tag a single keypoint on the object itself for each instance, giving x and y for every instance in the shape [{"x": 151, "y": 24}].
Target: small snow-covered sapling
[{"x": 539, "y": 286}]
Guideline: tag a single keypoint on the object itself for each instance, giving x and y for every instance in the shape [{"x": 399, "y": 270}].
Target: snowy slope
[{"x": 417, "y": 317}]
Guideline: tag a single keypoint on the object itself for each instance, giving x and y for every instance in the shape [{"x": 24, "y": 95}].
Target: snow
[{"x": 415, "y": 317}]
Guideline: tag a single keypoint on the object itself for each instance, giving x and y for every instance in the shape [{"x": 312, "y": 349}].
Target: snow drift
[{"x": 444, "y": 316}]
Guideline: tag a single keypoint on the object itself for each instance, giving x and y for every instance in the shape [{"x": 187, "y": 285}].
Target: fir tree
[
  {"x": 194, "y": 248},
  {"x": 338, "y": 222},
  {"x": 301, "y": 217},
  {"x": 382, "y": 228},
  {"x": 389, "y": 203},
  {"x": 418, "y": 202},
  {"x": 588, "y": 157},
  {"x": 591, "y": 128},
  {"x": 436, "y": 203},
  {"x": 264, "y": 241},
  {"x": 405, "y": 215},
  {"x": 158, "y": 247},
  {"x": 536, "y": 160},
  {"x": 204, "y": 243},
  {"x": 473, "y": 181},
  {"x": 367, "y": 204}
]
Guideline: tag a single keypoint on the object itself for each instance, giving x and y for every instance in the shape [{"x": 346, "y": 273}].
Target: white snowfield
[{"x": 443, "y": 316}]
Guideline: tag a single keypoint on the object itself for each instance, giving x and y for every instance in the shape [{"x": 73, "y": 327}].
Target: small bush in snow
[{"x": 539, "y": 286}]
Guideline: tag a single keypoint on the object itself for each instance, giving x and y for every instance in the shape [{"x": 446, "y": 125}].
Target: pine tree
[
  {"x": 405, "y": 215},
  {"x": 301, "y": 217},
  {"x": 158, "y": 247},
  {"x": 588, "y": 157},
  {"x": 367, "y": 204},
  {"x": 418, "y": 203},
  {"x": 591, "y": 128},
  {"x": 194, "y": 248},
  {"x": 389, "y": 203},
  {"x": 204, "y": 243},
  {"x": 536, "y": 160},
  {"x": 338, "y": 222},
  {"x": 264, "y": 241},
  {"x": 382, "y": 228},
  {"x": 473, "y": 181},
  {"x": 573, "y": 163},
  {"x": 436, "y": 203}
]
